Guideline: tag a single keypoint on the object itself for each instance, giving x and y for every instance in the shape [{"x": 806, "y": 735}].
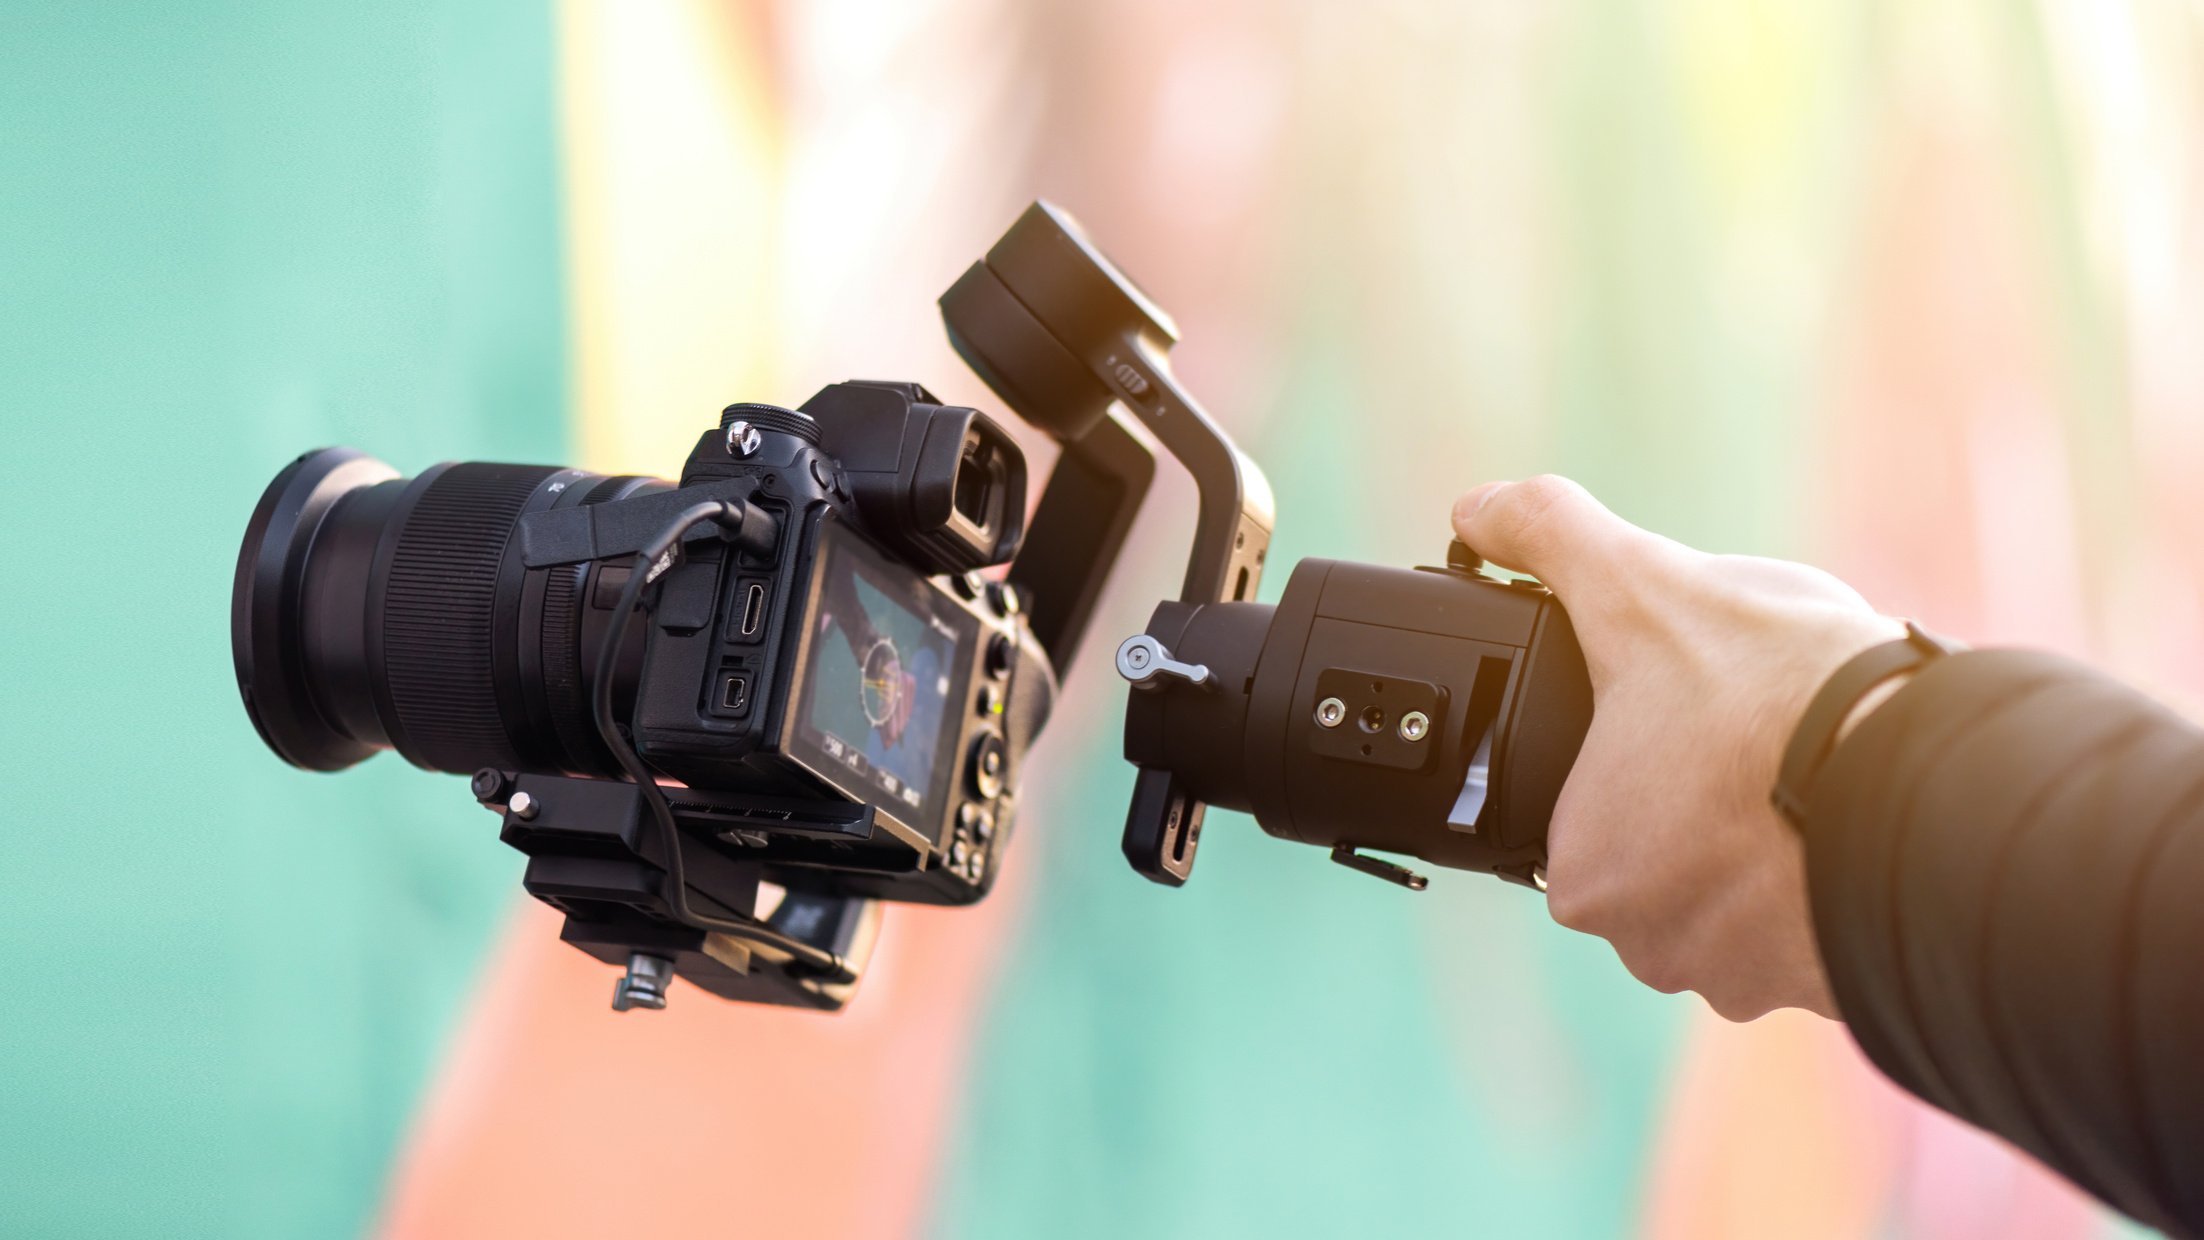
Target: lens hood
[{"x": 266, "y": 634}]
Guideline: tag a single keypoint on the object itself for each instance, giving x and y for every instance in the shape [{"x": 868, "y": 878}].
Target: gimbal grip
[{"x": 1434, "y": 713}]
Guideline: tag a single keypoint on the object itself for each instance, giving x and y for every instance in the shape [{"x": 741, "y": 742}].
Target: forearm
[{"x": 2006, "y": 862}]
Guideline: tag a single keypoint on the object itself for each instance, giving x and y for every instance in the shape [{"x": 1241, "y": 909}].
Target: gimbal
[{"x": 1433, "y": 713}]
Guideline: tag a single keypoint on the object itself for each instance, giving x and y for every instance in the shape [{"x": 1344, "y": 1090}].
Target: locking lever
[{"x": 1146, "y": 664}]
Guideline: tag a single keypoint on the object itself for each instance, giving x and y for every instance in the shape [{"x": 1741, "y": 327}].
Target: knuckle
[
  {"x": 1571, "y": 908},
  {"x": 1735, "y": 1008},
  {"x": 1528, "y": 515},
  {"x": 1657, "y": 971}
]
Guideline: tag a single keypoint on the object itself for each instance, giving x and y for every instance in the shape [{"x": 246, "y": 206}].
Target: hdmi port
[{"x": 753, "y": 609}]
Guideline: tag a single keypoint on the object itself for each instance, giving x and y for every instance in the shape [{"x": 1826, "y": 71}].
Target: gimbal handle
[{"x": 1076, "y": 349}]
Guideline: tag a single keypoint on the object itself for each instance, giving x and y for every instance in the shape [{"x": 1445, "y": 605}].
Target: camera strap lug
[{"x": 624, "y": 527}]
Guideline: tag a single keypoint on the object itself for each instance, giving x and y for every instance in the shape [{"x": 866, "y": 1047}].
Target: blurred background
[{"x": 1914, "y": 291}]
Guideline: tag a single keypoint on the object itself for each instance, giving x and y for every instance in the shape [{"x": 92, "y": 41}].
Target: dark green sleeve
[{"x": 2007, "y": 869}]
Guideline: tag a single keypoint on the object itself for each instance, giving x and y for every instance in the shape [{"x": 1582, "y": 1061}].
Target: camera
[
  {"x": 726, "y": 717},
  {"x": 819, "y": 662}
]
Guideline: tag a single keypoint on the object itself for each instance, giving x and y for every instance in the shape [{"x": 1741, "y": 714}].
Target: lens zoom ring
[{"x": 437, "y": 613}]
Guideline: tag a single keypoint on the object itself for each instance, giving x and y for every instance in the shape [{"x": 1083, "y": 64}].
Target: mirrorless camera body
[
  {"x": 854, "y": 658},
  {"x": 727, "y": 717},
  {"x": 844, "y": 697}
]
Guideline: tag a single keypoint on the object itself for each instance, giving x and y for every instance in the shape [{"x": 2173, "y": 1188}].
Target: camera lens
[{"x": 375, "y": 612}]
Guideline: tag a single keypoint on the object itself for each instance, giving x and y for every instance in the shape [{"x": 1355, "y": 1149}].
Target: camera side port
[
  {"x": 747, "y": 616},
  {"x": 734, "y": 693}
]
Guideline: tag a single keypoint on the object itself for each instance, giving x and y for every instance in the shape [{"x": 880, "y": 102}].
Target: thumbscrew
[{"x": 645, "y": 983}]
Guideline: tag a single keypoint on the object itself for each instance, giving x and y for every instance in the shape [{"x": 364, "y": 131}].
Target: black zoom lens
[{"x": 374, "y": 612}]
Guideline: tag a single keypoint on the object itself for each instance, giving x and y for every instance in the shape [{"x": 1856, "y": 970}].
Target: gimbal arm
[
  {"x": 1077, "y": 531},
  {"x": 1076, "y": 348}
]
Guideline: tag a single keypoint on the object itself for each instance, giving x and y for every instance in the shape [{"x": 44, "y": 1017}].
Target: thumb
[{"x": 1546, "y": 526}]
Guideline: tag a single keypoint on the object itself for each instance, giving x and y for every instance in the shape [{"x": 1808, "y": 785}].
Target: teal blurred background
[
  {"x": 1912, "y": 291},
  {"x": 235, "y": 232}
]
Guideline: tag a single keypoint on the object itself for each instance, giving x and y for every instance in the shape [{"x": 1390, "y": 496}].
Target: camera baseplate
[{"x": 594, "y": 855}]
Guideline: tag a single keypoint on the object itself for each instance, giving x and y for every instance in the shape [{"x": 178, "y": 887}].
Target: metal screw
[
  {"x": 1414, "y": 725},
  {"x": 742, "y": 438},
  {"x": 523, "y": 806},
  {"x": 645, "y": 983},
  {"x": 1330, "y": 712},
  {"x": 1137, "y": 657}
]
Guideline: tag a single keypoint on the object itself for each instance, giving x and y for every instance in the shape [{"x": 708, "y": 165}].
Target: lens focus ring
[{"x": 438, "y": 609}]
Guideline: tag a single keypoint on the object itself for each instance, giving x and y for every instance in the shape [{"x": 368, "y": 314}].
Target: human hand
[{"x": 1663, "y": 841}]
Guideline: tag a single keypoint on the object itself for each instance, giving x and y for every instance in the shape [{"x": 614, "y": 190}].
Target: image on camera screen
[{"x": 879, "y": 686}]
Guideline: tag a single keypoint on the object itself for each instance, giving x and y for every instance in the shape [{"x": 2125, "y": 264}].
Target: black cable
[{"x": 651, "y": 563}]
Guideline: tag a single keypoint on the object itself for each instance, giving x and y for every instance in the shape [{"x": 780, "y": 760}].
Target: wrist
[{"x": 1845, "y": 699}]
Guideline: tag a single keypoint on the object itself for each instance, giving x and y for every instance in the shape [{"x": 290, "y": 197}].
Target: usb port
[
  {"x": 753, "y": 610},
  {"x": 734, "y": 694}
]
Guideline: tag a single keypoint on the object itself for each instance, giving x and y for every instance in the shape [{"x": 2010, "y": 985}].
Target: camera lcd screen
[{"x": 885, "y": 651}]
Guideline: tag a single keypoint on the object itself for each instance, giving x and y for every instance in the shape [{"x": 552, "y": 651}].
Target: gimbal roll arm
[{"x": 1076, "y": 349}]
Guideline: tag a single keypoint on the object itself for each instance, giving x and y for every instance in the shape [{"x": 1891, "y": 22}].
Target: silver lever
[{"x": 1144, "y": 662}]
